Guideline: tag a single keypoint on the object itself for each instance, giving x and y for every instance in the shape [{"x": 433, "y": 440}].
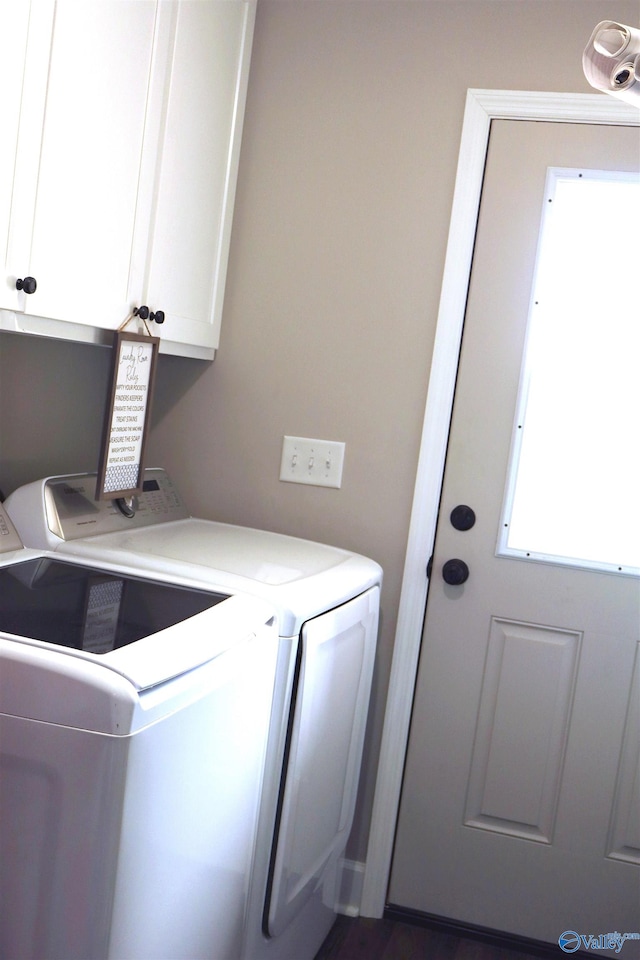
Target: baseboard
[
  {"x": 350, "y": 892},
  {"x": 496, "y": 938}
]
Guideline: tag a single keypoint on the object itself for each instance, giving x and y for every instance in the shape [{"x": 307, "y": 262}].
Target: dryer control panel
[{"x": 64, "y": 508}]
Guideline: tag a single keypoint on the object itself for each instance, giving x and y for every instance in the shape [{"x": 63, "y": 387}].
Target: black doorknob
[
  {"x": 28, "y": 285},
  {"x": 158, "y": 316},
  {"x": 142, "y": 312},
  {"x": 455, "y": 572}
]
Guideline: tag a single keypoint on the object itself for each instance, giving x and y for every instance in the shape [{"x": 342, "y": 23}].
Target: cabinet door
[
  {"x": 100, "y": 68},
  {"x": 196, "y": 175},
  {"x": 24, "y": 58}
]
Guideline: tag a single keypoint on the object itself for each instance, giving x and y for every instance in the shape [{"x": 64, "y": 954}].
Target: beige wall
[
  {"x": 52, "y": 400},
  {"x": 346, "y": 177}
]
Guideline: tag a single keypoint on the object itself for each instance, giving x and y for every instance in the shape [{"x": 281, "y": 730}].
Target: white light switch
[{"x": 318, "y": 462}]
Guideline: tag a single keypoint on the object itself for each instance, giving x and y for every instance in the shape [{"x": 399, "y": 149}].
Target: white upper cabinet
[
  {"x": 80, "y": 143},
  {"x": 196, "y": 180},
  {"x": 126, "y": 117},
  {"x": 19, "y": 170}
]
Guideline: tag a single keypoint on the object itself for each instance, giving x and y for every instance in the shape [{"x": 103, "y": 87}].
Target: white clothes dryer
[
  {"x": 133, "y": 735},
  {"x": 327, "y": 604}
]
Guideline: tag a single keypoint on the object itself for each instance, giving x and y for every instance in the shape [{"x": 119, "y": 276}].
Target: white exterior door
[{"x": 521, "y": 797}]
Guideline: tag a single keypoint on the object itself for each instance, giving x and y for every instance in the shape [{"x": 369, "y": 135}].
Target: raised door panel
[{"x": 523, "y": 718}]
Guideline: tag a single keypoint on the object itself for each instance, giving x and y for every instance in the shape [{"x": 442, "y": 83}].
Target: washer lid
[
  {"x": 89, "y": 609},
  {"x": 146, "y": 630}
]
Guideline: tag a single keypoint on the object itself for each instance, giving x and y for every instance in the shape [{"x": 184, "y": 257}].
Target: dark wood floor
[{"x": 364, "y": 939}]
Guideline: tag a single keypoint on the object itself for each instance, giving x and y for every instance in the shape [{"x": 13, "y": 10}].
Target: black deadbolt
[
  {"x": 455, "y": 572},
  {"x": 462, "y": 517}
]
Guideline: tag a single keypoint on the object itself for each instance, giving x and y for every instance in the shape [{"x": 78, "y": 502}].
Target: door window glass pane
[{"x": 572, "y": 494}]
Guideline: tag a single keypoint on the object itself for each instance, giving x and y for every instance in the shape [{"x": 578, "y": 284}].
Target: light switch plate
[{"x": 318, "y": 462}]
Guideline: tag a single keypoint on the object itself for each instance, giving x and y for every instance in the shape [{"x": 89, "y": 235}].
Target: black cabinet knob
[
  {"x": 144, "y": 313},
  {"x": 455, "y": 572},
  {"x": 28, "y": 285}
]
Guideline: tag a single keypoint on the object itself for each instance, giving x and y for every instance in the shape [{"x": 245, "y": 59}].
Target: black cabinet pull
[
  {"x": 28, "y": 285},
  {"x": 158, "y": 316}
]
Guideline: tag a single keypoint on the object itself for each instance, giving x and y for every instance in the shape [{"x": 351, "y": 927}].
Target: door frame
[{"x": 482, "y": 107}]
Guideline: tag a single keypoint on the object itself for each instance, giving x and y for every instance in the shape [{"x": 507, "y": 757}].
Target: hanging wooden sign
[{"x": 121, "y": 469}]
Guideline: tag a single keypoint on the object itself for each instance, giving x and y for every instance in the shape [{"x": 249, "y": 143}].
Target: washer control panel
[
  {"x": 9, "y": 539},
  {"x": 72, "y": 512}
]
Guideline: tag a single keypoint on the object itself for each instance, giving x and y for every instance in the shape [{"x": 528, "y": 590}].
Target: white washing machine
[
  {"x": 133, "y": 735},
  {"x": 327, "y": 603}
]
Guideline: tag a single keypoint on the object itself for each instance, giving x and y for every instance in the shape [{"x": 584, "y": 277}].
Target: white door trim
[{"x": 482, "y": 106}]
